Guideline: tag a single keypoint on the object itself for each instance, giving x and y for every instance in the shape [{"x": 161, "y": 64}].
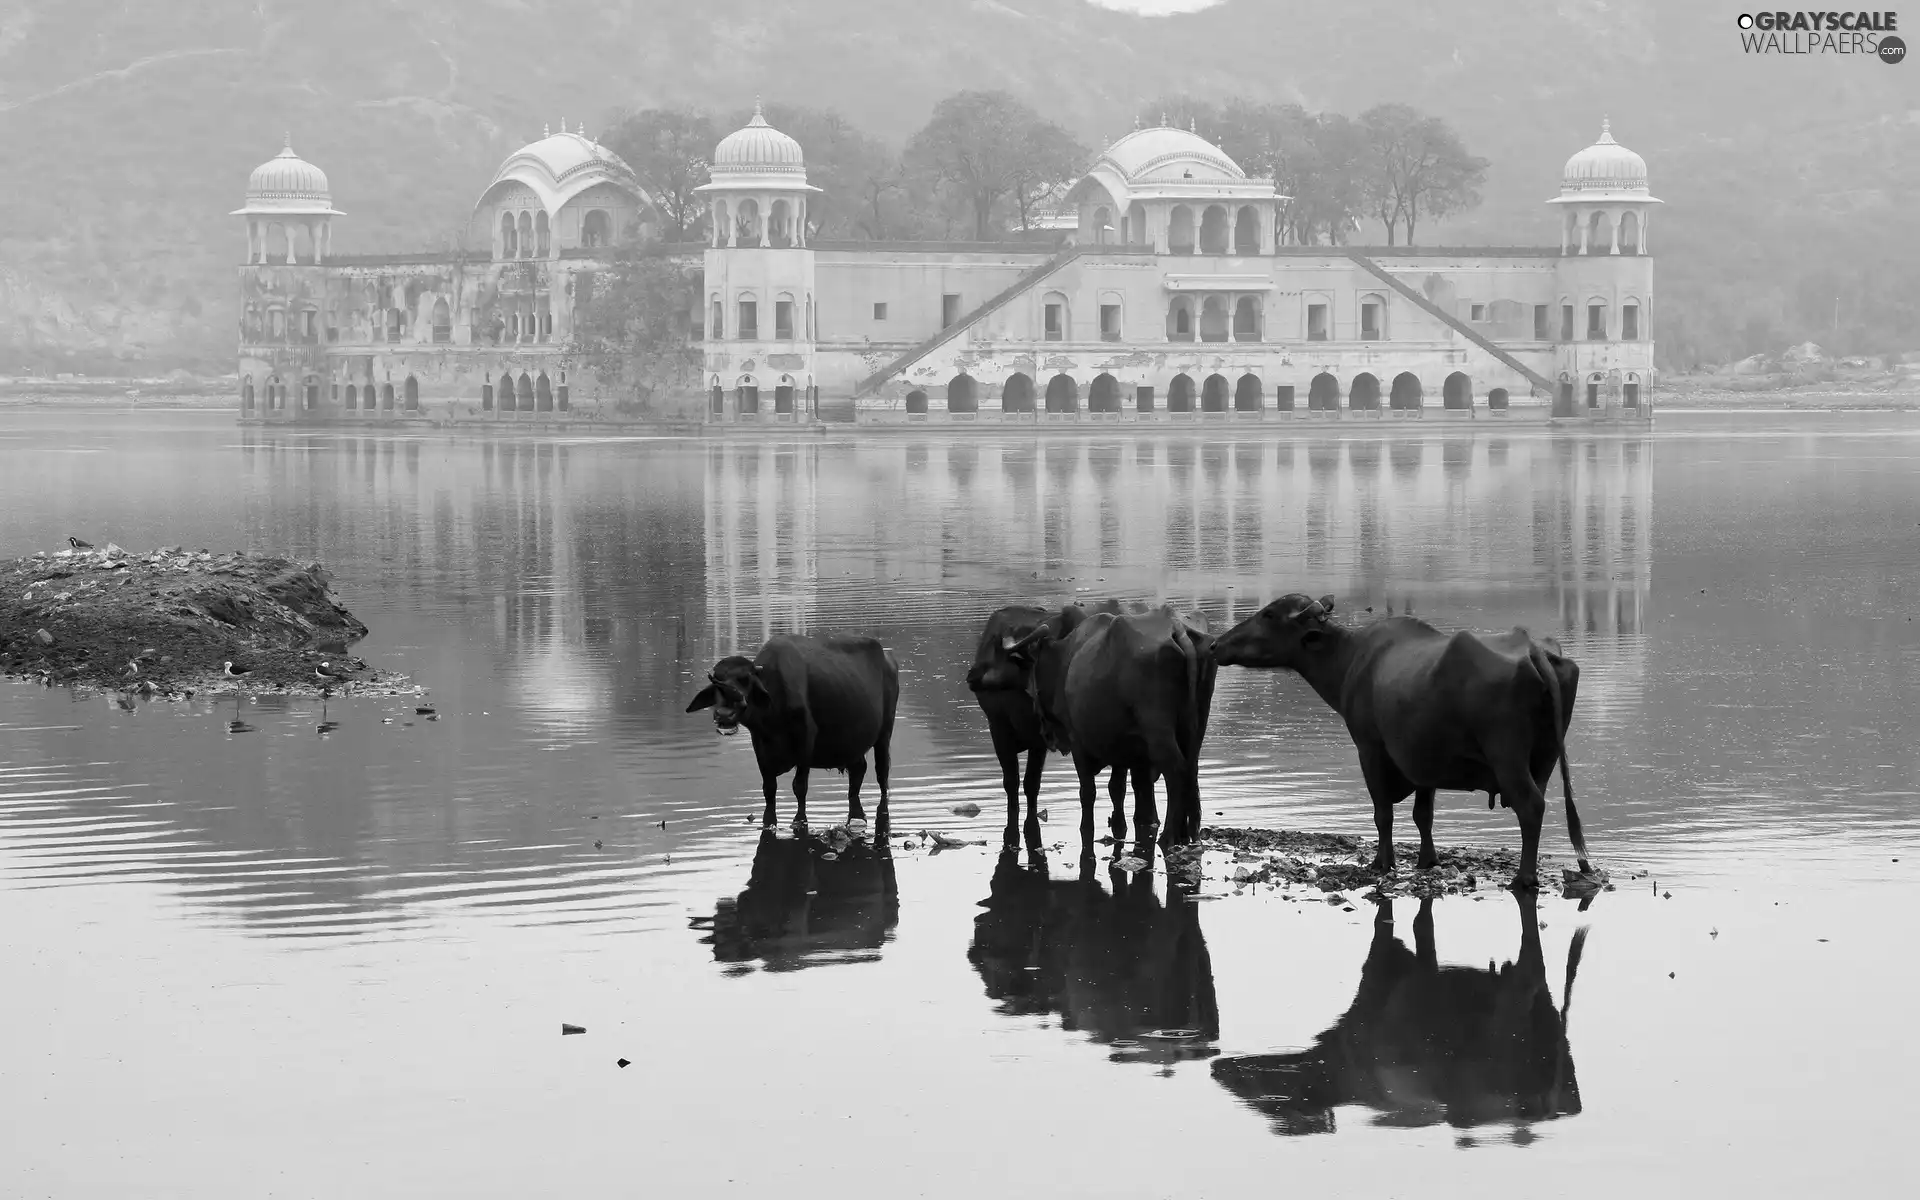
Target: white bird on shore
[
  {"x": 77, "y": 544},
  {"x": 234, "y": 672}
]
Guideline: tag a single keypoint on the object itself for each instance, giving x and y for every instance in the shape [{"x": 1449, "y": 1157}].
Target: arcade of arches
[{"x": 1063, "y": 392}]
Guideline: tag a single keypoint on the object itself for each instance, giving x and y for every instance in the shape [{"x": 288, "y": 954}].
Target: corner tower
[
  {"x": 760, "y": 320},
  {"x": 284, "y": 312},
  {"x": 1604, "y": 331}
]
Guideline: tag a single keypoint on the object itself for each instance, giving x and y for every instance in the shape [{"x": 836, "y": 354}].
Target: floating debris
[
  {"x": 966, "y": 810},
  {"x": 566, "y": 1029}
]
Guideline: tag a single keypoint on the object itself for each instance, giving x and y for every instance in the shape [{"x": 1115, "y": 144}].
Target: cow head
[
  {"x": 995, "y": 668},
  {"x": 1286, "y": 633},
  {"x": 1042, "y": 655},
  {"x": 733, "y": 690}
]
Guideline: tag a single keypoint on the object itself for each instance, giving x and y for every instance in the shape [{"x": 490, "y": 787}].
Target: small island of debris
[{"x": 164, "y": 624}]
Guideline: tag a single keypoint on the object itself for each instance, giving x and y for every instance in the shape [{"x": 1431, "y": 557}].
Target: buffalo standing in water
[
  {"x": 810, "y": 702},
  {"x": 1423, "y": 1043},
  {"x": 1114, "y": 962},
  {"x": 1430, "y": 711},
  {"x": 811, "y": 899},
  {"x": 1127, "y": 690},
  {"x": 1003, "y": 687}
]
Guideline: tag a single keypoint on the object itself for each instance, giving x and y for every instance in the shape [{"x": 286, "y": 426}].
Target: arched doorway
[
  {"x": 1323, "y": 394},
  {"x": 783, "y": 395},
  {"x": 352, "y": 399},
  {"x": 1246, "y": 320},
  {"x": 1497, "y": 399},
  {"x": 960, "y": 394},
  {"x": 746, "y": 395},
  {"x": 1103, "y": 396},
  {"x": 716, "y": 400},
  {"x": 1016, "y": 396},
  {"x": 1406, "y": 391},
  {"x": 1364, "y": 393},
  {"x": 524, "y": 390},
  {"x": 1213, "y": 319},
  {"x": 386, "y": 397},
  {"x": 543, "y": 394},
  {"x": 1063, "y": 394},
  {"x": 917, "y": 402},
  {"x": 1180, "y": 394},
  {"x": 1457, "y": 391},
  {"x": 1246, "y": 232},
  {"x": 1213, "y": 230},
  {"x": 310, "y": 393},
  {"x": 412, "y": 388},
  {"x": 1246, "y": 393},
  {"x": 1180, "y": 230},
  {"x": 1180, "y": 319},
  {"x": 1213, "y": 394}
]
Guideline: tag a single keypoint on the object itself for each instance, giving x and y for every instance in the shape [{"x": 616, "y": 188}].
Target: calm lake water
[{"x": 282, "y": 962}]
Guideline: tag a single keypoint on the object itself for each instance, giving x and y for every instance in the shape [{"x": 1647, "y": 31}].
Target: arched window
[
  {"x": 720, "y": 226},
  {"x": 1180, "y": 230},
  {"x": 509, "y": 244},
  {"x": 1629, "y": 233},
  {"x": 1598, "y": 233},
  {"x": 543, "y": 394},
  {"x": 276, "y": 324},
  {"x": 526, "y": 234},
  {"x": 1323, "y": 394},
  {"x": 917, "y": 402},
  {"x": 1063, "y": 394},
  {"x": 783, "y": 397},
  {"x": 1016, "y": 395},
  {"x": 1457, "y": 391},
  {"x": 1180, "y": 319},
  {"x": 1497, "y": 399},
  {"x": 442, "y": 321},
  {"x": 1246, "y": 393},
  {"x": 1110, "y": 319},
  {"x": 1102, "y": 225},
  {"x": 1213, "y": 230},
  {"x": 542, "y": 235},
  {"x": 1180, "y": 394},
  {"x": 716, "y": 321},
  {"x": 961, "y": 394},
  {"x": 352, "y": 399},
  {"x": 1364, "y": 393},
  {"x": 524, "y": 392},
  {"x": 1054, "y": 318},
  {"x": 748, "y": 306},
  {"x": 1246, "y": 231},
  {"x": 545, "y": 319},
  {"x": 386, "y": 397},
  {"x": 746, "y": 223},
  {"x": 1406, "y": 391},
  {"x": 246, "y": 393},
  {"x": 396, "y": 324},
  {"x": 747, "y": 395},
  {"x": 1246, "y": 318},
  {"x": 1373, "y": 317},
  {"x": 596, "y": 229},
  {"x": 1593, "y": 389},
  {"x": 412, "y": 387},
  {"x": 783, "y": 317},
  {"x": 780, "y": 224},
  {"x": 1213, "y": 394},
  {"x": 310, "y": 393}
]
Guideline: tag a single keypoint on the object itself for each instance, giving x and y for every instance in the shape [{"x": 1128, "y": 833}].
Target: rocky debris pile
[
  {"x": 1337, "y": 865},
  {"x": 165, "y": 623}
]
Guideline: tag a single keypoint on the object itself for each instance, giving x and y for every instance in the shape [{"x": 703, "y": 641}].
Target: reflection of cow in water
[
  {"x": 1116, "y": 964},
  {"x": 814, "y": 899},
  {"x": 1424, "y": 1043}
]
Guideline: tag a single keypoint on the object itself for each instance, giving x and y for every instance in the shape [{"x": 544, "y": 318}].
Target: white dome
[
  {"x": 1605, "y": 166},
  {"x": 564, "y": 156},
  {"x": 1166, "y": 154},
  {"x": 287, "y": 183},
  {"x": 758, "y": 149}
]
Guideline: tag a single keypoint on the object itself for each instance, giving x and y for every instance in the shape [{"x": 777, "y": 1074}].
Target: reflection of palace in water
[{"x": 1560, "y": 525}]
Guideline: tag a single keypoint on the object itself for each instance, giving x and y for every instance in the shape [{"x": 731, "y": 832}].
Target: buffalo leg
[
  {"x": 1146, "y": 816},
  {"x": 1089, "y": 772},
  {"x": 1008, "y": 752},
  {"x": 1117, "y": 789},
  {"x": 1423, "y": 821},
  {"x": 770, "y": 784},
  {"x": 1387, "y": 787},
  {"x": 1529, "y": 806},
  {"x": 799, "y": 799},
  {"x": 856, "y": 774},
  {"x": 882, "y": 764},
  {"x": 1036, "y": 763},
  {"x": 1425, "y": 951}
]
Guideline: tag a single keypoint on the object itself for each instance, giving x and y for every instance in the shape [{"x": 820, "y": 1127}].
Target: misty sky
[{"x": 1155, "y": 8}]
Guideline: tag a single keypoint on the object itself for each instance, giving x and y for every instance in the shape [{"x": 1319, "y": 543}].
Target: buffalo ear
[
  {"x": 757, "y": 688},
  {"x": 1023, "y": 650},
  {"x": 1326, "y": 602},
  {"x": 704, "y": 698}
]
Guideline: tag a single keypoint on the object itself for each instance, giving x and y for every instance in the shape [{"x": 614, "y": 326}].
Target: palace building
[{"x": 1162, "y": 293}]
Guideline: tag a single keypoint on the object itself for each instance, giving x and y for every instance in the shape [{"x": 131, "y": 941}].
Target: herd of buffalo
[{"x": 1131, "y": 692}]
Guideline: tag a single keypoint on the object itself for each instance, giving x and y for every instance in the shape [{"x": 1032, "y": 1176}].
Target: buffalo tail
[{"x": 1552, "y": 678}]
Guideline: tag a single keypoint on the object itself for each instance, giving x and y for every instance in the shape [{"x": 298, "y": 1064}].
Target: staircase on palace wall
[
  {"x": 1540, "y": 382},
  {"x": 960, "y": 326}
]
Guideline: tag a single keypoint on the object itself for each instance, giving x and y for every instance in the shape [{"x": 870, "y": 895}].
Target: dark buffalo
[
  {"x": 811, "y": 899},
  {"x": 1115, "y": 963},
  {"x": 1430, "y": 711},
  {"x": 1003, "y": 687},
  {"x": 810, "y": 702},
  {"x": 1423, "y": 1043},
  {"x": 1127, "y": 690}
]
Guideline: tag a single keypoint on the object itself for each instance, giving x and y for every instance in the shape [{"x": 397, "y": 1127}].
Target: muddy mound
[
  {"x": 165, "y": 623},
  {"x": 1336, "y": 864}
]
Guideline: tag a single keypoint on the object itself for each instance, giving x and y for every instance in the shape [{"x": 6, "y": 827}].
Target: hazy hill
[{"x": 127, "y": 131}]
